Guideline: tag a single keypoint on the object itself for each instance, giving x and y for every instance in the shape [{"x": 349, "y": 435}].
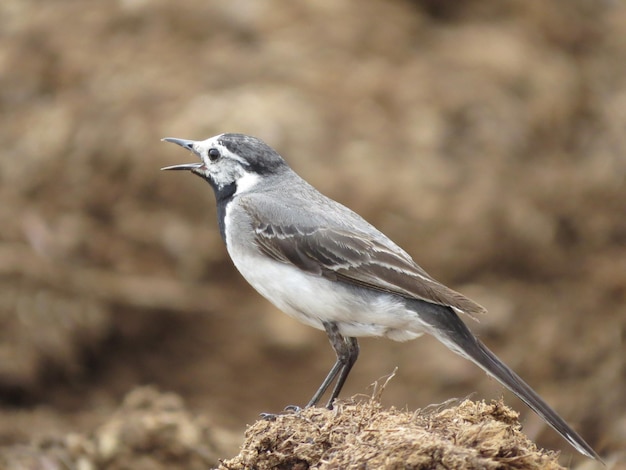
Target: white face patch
[{"x": 228, "y": 168}]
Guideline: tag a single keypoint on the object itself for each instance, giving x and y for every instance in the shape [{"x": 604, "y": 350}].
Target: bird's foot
[
  {"x": 268, "y": 416},
  {"x": 290, "y": 409}
]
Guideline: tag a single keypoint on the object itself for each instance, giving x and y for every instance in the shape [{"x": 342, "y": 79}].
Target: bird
[{"x": 326, "y": 266}]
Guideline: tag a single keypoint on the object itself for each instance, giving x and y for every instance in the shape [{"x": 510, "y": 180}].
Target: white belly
[{"x": 313, "y": 300}]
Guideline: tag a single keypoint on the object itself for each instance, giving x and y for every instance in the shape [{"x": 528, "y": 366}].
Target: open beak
[
  {"x": 187, "y": 144},
  {"x": 184, "y": 166}
]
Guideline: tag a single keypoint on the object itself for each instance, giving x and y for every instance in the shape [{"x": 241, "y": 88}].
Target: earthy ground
[
  {"x": 486, "y": 138},
  {"x": 364, "y": 435}
]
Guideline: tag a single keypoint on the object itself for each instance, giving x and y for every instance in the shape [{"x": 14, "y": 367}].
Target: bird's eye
[{"x": 213, "y": 154}]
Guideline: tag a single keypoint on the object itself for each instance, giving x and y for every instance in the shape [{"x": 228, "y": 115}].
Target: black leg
[
  {"x": 347, "y": 350},
  {"x": 351, "y": 351}
]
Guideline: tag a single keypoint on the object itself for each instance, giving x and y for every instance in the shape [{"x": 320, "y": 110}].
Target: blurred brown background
[{"x": 488, "y": 139}]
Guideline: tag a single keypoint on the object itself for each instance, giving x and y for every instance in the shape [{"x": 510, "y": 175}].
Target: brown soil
[
  {"x": 487, "y": 138},
  {"x": 468, "y": 436}
]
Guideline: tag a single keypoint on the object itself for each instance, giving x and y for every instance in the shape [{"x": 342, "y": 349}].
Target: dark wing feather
[{"x": 359, "y": 259}]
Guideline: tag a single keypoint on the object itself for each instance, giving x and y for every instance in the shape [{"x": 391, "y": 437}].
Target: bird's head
[{"x": 231, "y": 163}]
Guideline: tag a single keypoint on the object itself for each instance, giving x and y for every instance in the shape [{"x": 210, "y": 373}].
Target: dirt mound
[{"x": 471, "y": 435}]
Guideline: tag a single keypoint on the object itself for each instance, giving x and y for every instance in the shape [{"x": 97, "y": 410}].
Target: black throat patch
[{"x": 223, "y": 196}]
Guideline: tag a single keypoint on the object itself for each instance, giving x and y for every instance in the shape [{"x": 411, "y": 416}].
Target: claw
[
  {"x": 289, "y": 409},
  {"x": 268, "y": 416}
]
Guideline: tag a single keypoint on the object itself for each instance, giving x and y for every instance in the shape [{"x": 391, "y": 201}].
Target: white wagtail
[{"x": 324, "y": 265}]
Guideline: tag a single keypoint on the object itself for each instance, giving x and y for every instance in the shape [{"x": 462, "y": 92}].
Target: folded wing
[{"x": 357, "y": 258}]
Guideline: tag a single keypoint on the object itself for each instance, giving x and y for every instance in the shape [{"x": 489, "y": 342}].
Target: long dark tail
[{"x": 450, "y": 330}]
